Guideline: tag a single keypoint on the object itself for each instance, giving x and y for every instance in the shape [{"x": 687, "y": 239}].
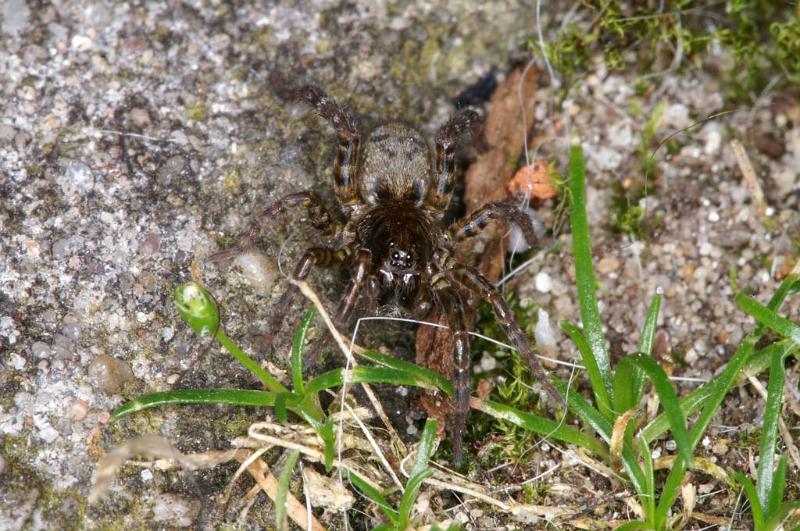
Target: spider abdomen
[{"x": 396, "y": 166}]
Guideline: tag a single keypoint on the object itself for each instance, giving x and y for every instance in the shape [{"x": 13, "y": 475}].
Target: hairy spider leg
[
  {"x": 318, "y": 215},
  {"x": 362, "y": 265},
  {"x": 345, "y": 169},
  {"x": 498, "y": 210},
  {"x": 453, "y": 309},
  {"x": 473, "y": 280},
  {"x": 444, "y": 180},
  {"x": 316, "y": 256}
]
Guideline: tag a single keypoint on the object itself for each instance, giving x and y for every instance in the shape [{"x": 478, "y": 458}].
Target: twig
[
  {"x": 750, "y": 178},
  {"x": 295, "y": 510}
]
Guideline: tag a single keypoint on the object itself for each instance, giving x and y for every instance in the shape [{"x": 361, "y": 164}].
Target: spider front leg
[
  {"x": 478, "y": 220},
  {"x": 473, "y": 280},
  {"x": 318, "y": 215},
  {"x": 450, "y": 302},
  {"x": 441, "y": 190},
  {"x": 316, "y": 256},
  {"x": 345, "y": 169}
]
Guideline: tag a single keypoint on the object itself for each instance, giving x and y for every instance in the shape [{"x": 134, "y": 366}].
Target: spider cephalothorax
[{"x": 393, "y": 194}]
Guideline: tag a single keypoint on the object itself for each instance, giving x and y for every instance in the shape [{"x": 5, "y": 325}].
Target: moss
[
  {"x": 761, "y": 38},
  {"x": 197, "y": 112}
]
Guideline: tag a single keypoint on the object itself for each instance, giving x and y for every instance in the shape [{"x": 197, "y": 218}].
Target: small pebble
[
  {"x": 78, "y": 410},
  {"x": 259, "y": 271},
  {"x": 543, "y": 282},
  {"x": 607, "y": 264},
  {"x": 41, "y": 349},
  {"x": 545, "y": 339},
  {"x": 109, "y": 373}
]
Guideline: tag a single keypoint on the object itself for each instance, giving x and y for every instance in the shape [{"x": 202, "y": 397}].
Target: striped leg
[
  {"x": 441, "y": 189},
  {"x": 478, "y": 220},
  {"x": 452, "y": 308},
  {"x": 346, "y": 167},
  {"x": 318, "y": 215},
  {"x": 316, "y": 256},
  {"x": 362, "y": 267},
  {"x": 473, "y": 280}
]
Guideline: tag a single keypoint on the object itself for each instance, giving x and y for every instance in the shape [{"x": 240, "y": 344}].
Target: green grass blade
[
  {"x": 432, "y": 378},
  {"x": 419, "y": 473},
  {"x": 362, "y": 374},
  {"x": 775, "y": 499},
  {"x": 297, "y": 350},
  {"x": 692, "y": 402},
  {"x": 281, "y": 523},
  {"x": 636, "y": 524},
  {"x": 769, "y": 318},
  {"x": 269, "y": 381},
  {"x": 584, "y": 273},
  {"x": 720, "y": 389},
  {"x": 592, "y": 369},
  {"x": 669, "y": 400},
  {"x": 326, "y": 434},
  {"x": 236, "y": 397},
  {"x": 776, "y": 518},
  {"x": 635, "y": 386},
  {"x": 374, "y": 494},
  {"x": 578, "y": 405},
  {"x": 543, "y": 426},
  {"x": 752, "y": 496},
  {"x": 769, "y": 431},
  {"x": 648, "y": 496},
  {"x": 425, "y": 447}
]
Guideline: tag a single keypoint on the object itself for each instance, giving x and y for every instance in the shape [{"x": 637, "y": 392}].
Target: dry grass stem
[{"x": 750, "y": 178}]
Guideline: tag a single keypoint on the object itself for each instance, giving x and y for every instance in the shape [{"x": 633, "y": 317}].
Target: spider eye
[{"x": 401, "y": 260}]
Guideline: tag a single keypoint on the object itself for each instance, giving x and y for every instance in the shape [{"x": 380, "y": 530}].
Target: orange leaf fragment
[{"x": 536, "y": 179}]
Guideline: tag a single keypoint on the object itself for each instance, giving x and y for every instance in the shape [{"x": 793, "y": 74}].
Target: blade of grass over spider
[
  {"x": 584, "y": 272},
  {"x": 669, "y": 400},
  {"x": 590, "y": 362},
  {"x": 765, "y": 479},
  {"x": 628, "y": 387},
  {"x": 297, "y": 349},
  {"x": 419, "y": 473},
  {"x": 433, "y": 379},
  {"x": 281, "y": 522},
  {"x": 373, "y": 494},
  {"x": 541, "y": 425},
  {"x": 236, "y": 397},
  {"x": 362, "y": 374}
]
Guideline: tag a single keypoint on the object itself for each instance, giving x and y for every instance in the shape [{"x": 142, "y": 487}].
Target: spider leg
[
  {"x": 478, "y": 220},
  {"x": 345, "y": 169},
  {"x": 438, "y": 196},
  {"x": 451, "y": 305},
  {"x": 318, "y": 215},
  {"x": 316, "y": 256},
  {"x": 362, "y": 267},
  {"x": 473, "y": 280}
]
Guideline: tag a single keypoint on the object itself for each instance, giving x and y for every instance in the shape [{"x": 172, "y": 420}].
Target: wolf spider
[{"x": 393, "y": 241}]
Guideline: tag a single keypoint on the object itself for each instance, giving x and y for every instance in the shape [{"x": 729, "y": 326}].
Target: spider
[{"x": 393, "y": 242}]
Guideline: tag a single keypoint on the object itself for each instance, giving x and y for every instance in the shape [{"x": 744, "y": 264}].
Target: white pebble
[
  {"x": 258, "y": 270},
  {"x": 543, "y": 333},
  {"x": 487, "y": 363},
  {"x": 146, "y": 475},
  {"x": 543, "y": 282},
  {"x": 713, "y": 216}
]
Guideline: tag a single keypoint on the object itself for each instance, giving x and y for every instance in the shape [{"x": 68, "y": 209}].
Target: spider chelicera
[{"x": 393, "y": 195}]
